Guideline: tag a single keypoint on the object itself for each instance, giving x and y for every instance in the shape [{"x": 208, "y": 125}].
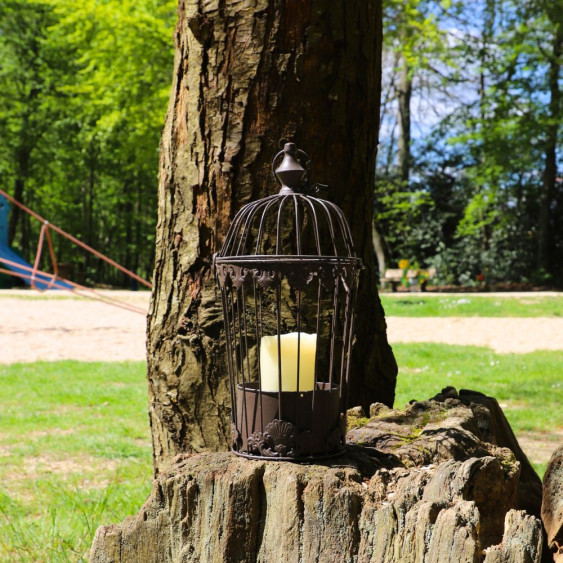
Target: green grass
[
  {"x": 75, "y": 442},
  {"x": 74, "y": 454},
  {"x": 529, "y": 387},
  {"x": 451, "y": 305}
]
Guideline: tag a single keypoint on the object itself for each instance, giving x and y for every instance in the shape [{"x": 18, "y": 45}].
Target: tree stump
[
  {"x": 435, "y": 482},
  {"x": 552, "y": 504}
]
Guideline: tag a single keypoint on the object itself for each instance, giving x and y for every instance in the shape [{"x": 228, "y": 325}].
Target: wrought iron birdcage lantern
[{"x": 288, "y": 276}]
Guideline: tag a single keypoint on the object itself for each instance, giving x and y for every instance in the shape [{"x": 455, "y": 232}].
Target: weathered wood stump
[
  {"x": 552, "y": 504},
  {"x": 436, "y": 482}
]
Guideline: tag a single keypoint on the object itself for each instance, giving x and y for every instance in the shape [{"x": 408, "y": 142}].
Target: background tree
[
  {"x": 83, "y": 96},
  {"x": 27, "y": 76},
  {"x": 468, "y": 175},
  {"x": 416, "y": 59},
  {"x": 484, "y": 194},
  {"x": 247, "y": 75}
]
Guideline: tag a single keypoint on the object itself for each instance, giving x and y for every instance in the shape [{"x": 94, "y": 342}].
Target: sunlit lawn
[
  {"x": 529, "y": 387},
  {"x": 75, "y": 445},
  {"x": 74, "y": 453},
  {"x": 470, "y": 305}
]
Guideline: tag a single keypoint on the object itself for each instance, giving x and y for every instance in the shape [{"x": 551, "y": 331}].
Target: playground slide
[{"x": 41, "y": 281}]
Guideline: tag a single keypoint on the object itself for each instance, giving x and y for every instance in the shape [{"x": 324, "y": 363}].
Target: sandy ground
[
  {"x": 503, "y": 335},
  {"x": 56, "y": 326}
]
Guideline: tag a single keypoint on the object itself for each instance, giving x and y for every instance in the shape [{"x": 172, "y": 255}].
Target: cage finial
[{"x": 290, "y": 173}]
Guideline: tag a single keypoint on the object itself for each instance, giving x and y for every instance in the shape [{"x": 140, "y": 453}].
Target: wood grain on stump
[
  {"x": 415, "y": 485},
  {"x": 552, "y": 504}
]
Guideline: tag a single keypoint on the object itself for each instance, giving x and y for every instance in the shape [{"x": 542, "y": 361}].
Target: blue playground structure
[{"x": 7, "y": 254}]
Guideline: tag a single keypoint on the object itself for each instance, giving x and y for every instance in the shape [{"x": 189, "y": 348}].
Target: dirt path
[
  {"x": 57, "y": 326},
  {"x": 503, "y": 335}
]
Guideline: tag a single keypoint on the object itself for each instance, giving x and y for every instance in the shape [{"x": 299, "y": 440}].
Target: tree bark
[
  {"x": 247, "y": 75},
  {"x": 404, "y": 140},
  {"x": 552, "y": 504}
]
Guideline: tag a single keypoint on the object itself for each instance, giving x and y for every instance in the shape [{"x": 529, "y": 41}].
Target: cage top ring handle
[{"x": 295, "y": 170}]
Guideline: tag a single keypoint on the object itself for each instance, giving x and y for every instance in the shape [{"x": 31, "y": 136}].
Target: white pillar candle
[{"x": 269, "y": 363}]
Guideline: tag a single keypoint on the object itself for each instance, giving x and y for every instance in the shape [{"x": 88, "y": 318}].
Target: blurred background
[
  {"x": 83, "y": 94},
  {"x": 468, "y": 166}
]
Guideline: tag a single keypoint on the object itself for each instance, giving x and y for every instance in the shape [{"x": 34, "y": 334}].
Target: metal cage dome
[{"x": 317, "y": 227}]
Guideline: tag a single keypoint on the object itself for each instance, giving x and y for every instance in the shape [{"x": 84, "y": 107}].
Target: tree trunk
[
  {"x": 15, "y": 213},
  {"x": 23, "y": 155},
  {"x": 404, "y": 141},
  {"x": 550, "y": 167},
  {"x": 247, "y": 75},
  {"x": 379, "y": 248}
]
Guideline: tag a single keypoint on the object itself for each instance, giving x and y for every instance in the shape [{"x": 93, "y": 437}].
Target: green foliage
[
  {"x": 83, "y": 90},
  {"x": 84, "y": 96},
  {"x": 482, "y": 158},
  {"x": 75, "y": 447},
  {"x": 407, "y": 217},
  {"x": 413, "y": 32}
]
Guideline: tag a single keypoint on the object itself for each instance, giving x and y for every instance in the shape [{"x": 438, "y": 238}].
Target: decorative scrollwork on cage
[{"x": 271, "y": 274}]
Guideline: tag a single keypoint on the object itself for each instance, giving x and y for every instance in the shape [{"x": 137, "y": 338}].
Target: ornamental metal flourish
[{"x": 288, "y": 276}]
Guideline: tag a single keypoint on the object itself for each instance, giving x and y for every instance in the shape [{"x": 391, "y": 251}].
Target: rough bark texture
[
  {"x": 433, "y": 491},
  {"x": 248, "y": 74},
  {"x": 404, "y": 91},
  {"x": 522, "y": 541},
  {"x": 552, "y": 504}
]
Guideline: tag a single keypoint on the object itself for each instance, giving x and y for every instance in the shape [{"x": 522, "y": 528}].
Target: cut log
[
  {"x": 472, "y": 420},
  {"x": 552, "y": 504},
  {"x": 414, "y": 485}
]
